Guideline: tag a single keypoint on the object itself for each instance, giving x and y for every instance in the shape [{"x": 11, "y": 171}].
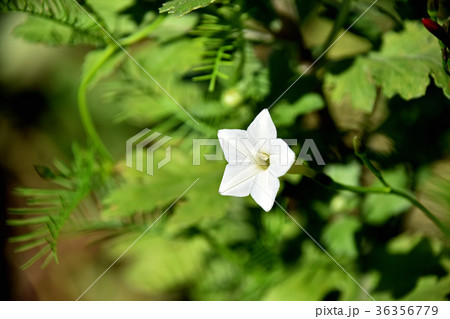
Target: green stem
[
  {"x": 327, "y": 182},
  {"x": 338, "y": 24},
  {"x": 388, "y": 189},
  {"x": 302, "y": 170},
  {"x": 83, "y": 109},
  {"x": 360, "y": 189},
  {"x": 391, "y": 190},
  {"x": 416, "y": 203},
  {"x": 82, "y": 102},
  {"x": 143, "y": 33},
  {"x": 363, "y": 157}
]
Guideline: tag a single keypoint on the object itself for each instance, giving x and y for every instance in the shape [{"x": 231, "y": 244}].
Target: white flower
[{"x": 256, "y": 158}]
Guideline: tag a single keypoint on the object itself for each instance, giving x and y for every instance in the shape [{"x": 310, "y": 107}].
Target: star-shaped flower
[{"x": 256, "y": 159}]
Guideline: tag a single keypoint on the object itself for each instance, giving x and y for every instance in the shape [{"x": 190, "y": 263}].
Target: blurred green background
[{"x": 65, "y": 198}]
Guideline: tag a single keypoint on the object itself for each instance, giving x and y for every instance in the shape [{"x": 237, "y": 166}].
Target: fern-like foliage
[
  {"x": 56, "y": 22},
  {"x": 221, "y": 34},
  {"x": 254, "y": 80},
  {"x": 48, "y": 210}
]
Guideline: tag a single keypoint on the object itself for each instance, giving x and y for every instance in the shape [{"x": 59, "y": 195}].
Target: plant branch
[
  {"x": 360, "y": 152},
  {"x": 326, "y": 181},
  {"x": 82, "y": 102},
  {"x": 388, "y": 189},
  {"x": 86, "y": 80}
]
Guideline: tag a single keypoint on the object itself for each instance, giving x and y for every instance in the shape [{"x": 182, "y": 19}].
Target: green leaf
[
  {"x": 313, "y": 278},
  {"x": 36, "y": 257},
  {"x": 173, "y": 28},
  {"x": 31, "y": 245},
  {"x": 44, "y": 172},
  {"x": 109, "y": 15},
  {"x": 377, "y": 214},
  {"x": 254, "y": 84},
  {"x": 182, "y": 7},
  {"x": 27, "y": 221},
  {"x": 339, "y": 236},
  {"x": 55, "y": 206},
  {"x": 403, "y": 67},
  {"x": 29, "y": 236},
  {"x": 142, "y": 193},
  {"x": 346, "y": 174},
  {"x": 285, "y": 114},
  {"x": 55, "y": 22},
  {"x": 406, "y": 61},
  {"x": 342, "y": 202},
  {"x": 96, "y": 57},
  {"x": 161, "y": 264},
  {"x": 430, "y": 288},
  {"x": 33, "y": 210},
  {"x": 352, "y": 86},
  {"x": 202, "y": 205}
]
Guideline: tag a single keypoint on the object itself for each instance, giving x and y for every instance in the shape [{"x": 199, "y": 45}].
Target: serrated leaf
[
  {"x": 182, "y": 7},
  {"x": 36, "y": 29},
  {"x": 352, "y": 86},
  {"x": 55, "y": 22},
  {"x": 111, "y": 15},
  {"x": 406, "y": 61},
  {"x": 430, "y": 288},
  {"x": 403, "y": 67},
  {"x": 55, "y": 205}
]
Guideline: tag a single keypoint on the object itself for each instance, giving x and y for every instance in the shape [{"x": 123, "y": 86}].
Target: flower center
[{"x": 263, "y": 160}]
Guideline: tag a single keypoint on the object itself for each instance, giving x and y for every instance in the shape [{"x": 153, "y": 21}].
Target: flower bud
[
  {"x": 437, "y": 31},
  {"x": 232, "y": 97}
]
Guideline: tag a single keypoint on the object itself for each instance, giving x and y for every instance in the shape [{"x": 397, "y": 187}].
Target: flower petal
[
  {"x": 238, "y": 179},
  {"x": 265, "y": 189},
  {"x": 281, "y": 157},
  {"x": 262, "y": 127},
  {"x": 236, "y": 146}
]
